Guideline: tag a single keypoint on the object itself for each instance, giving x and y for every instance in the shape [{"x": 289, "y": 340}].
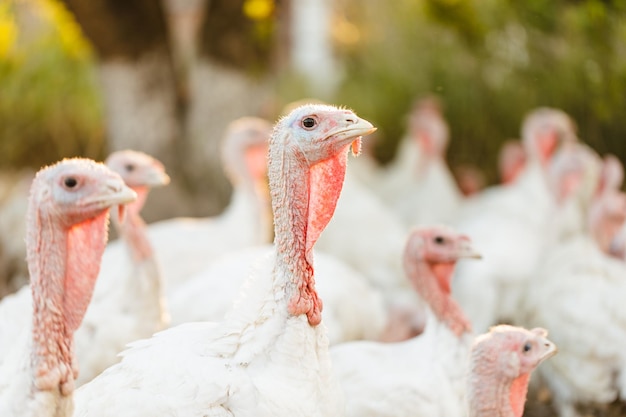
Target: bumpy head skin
[{"x": 501, "y": 363}]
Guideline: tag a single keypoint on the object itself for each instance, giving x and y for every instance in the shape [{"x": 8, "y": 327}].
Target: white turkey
[
  {"x": 579, "y": 286},
  {"x": 425, "y": 375},
  {"x": 420, "y": 188},
  {"x": 269, "y": 357},
  {"x": 67, "y": 221},
  {"x": 185, "y": 246},
  {"x": 513, "y": 224},
  {"x": 500, "y": 368},
  {"x": 127, "y": 303}
]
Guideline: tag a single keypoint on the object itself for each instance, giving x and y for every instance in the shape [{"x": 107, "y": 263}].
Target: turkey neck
[
  {"x": 133, "y": 228},
  {"x": 144, "y": 292},
  {"x": 63, "y": 263},
  {"x": 293, "y": 268},
  {"x": 492, "y": 395},
  {"x": 432, "y": 282}
]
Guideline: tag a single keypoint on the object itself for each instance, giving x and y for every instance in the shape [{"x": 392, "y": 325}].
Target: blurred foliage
[
  {"x": 49, "y": 104},
  {"x": 490, "y": 61}
]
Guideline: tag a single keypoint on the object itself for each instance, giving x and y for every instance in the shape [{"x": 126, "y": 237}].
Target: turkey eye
[
  {"x": 129, "y": 167},
  {"x": 70, "y": 182},
  {"x": 527, "y": 347},
  {"x": 309, "y": 122},
  {"x": 439, "y": 240}
]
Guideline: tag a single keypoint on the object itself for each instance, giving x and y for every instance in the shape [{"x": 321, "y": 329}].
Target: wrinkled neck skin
[
  {"x": 433, "y": 284},
  {"x": 293, "y": 268},
  {"x": 63, "y": 265},
  {"x": 490, "y": 396},
  {"x": 491, "y": 393}
]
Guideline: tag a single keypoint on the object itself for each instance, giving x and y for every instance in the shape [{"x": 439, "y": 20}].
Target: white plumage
[
  {"x": 419, "y": 187},
  {"x": 270, "y": 356},
  {"x": 353, "y": 309},
  {"x": 578, "y": 286},
  {"x": 425, "y": 375},
  {"x": 512, "y": 225},
  {"x": 185, "y": 246}
]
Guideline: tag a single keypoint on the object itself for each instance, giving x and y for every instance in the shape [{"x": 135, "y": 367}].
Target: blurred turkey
[
  {"x": 269, "y": 357},
  {"x": 425, "y": 375},
  {"x": 501, "y": 364},
  {"x": 513, "y": 224},
  {"x": 580, "y": 286},
  {"x": 185, "y": 246},
  {"x": 66, "y": 233},
  {"x": 418, "y": 185}
]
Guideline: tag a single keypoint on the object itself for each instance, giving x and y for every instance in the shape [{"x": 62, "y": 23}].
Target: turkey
[
  {"x": 269, "y": 356},
  {"x": 353, "y": 309},
  {"x": 66, "y": 233},
  {"x": 420, "y": 188},
  {"x": 426, "y": 374},
  {"x": 511, "y": 234},
  {"x": 501, "y": 364},
  {"x": 578, "y": 286},
  {"x": 511, "y": 161},
  {"x": 127, "y": 303},
  {"x": 185, "y": 246}
]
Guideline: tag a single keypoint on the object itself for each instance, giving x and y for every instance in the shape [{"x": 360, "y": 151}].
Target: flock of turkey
[{"x": 357, "y": 308}]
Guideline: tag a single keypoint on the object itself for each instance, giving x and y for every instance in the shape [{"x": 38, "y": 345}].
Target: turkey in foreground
[
  {"x": 270, "y": 356},
  {"x": 126, "y": 303},
  {"x": 67, "y": 223}
]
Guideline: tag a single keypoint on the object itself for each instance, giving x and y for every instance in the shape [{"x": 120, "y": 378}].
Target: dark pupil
[
  {"x": 129, "y": 167},
  {"x": 70, "y": 182},
  {"x": 439, "y": 240},
  {"x": 527, "y": 347},
  {"x": 308, "y": 122}
]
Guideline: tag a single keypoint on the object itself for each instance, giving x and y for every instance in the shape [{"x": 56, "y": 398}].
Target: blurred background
[{"x": 86, "y": 78}]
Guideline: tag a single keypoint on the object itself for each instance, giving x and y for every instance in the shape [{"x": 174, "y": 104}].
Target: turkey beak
[
  {"x": 112, "y": 192},
  {"x": 354, "y": 128},
  {"x": 466, "y": 250},
  {"x": 548, "y": 347},
  {"x": 157, "y": 178}
]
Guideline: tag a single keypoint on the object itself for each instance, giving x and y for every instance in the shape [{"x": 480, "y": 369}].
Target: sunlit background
[{"x": 61, "y": 92}]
